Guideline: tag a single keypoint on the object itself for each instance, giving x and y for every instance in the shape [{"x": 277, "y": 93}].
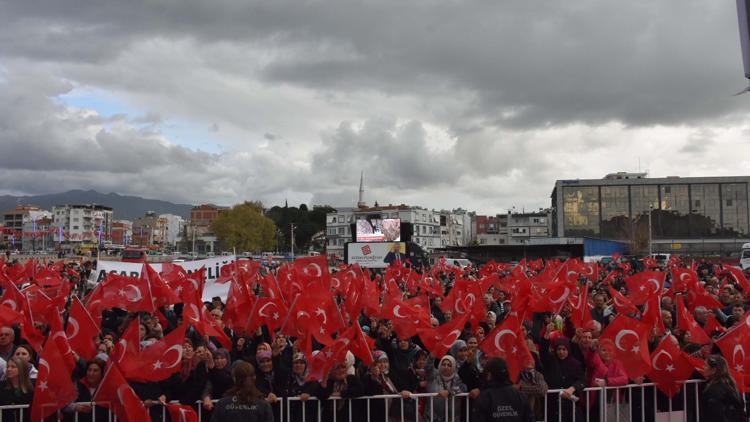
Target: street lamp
[
  {"x": 292, "y": 227},
  {"x": 650, "y": 211}
]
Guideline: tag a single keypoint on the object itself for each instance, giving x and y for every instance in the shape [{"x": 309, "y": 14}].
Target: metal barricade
[{"x": 603, "y": 404}]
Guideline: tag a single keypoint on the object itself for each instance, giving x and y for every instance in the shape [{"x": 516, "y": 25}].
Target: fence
[{"x": 634, "y": 402}]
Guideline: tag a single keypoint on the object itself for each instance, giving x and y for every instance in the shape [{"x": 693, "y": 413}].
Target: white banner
[
  {"x": 374, "y": 254},
  {"x": 213, "y": 265}
]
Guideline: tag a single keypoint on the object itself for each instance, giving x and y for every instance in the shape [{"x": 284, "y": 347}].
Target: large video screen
[{"x": 379, "y": 230}]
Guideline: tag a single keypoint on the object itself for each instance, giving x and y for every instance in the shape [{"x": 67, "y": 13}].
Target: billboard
[
  {"x": 378, "y": 230},
  {"x": 374, "y": 254}
]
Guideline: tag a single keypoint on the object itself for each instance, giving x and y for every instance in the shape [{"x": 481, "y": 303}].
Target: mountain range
[{"x": 124, "y": 207}]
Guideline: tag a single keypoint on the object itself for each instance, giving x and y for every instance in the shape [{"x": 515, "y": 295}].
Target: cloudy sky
[{"x": 444, "y": 104}]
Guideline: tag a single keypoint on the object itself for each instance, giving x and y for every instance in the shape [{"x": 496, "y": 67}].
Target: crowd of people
[{"x": 246, "y": 371}]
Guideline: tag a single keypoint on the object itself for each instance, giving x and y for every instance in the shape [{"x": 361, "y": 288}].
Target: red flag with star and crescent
[
  {"x": 669, "y": 366},
  {"x": 630, "y": 339},
  {"x": 438, "y": 340},
  {"x": 54, "y": 388},
  {"x": 115, "y": 393},
  {"x": 159, "y": 360},
  {"x": 506, "y": 341}
]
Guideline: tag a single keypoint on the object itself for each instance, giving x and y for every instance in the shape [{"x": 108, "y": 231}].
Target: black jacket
[
  {"x": 229, "y": 410},
  {"x": 502, "y": 402},
  {"x": 721, "y": 403}
]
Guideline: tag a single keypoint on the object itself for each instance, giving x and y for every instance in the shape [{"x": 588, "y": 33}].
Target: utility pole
[
  {"x": 650, "y": 211},
  {"x": 192, "y": 230},
  {"x": 292, "y": 227}
]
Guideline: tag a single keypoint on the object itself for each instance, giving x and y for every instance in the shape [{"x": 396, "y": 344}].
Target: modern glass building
[{"x": 691, "y": 215}]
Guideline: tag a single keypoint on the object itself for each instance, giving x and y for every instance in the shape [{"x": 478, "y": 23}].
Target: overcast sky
[{"x": 444, "y": 104}]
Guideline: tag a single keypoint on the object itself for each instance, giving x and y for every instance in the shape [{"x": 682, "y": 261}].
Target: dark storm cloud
[
  {"x": 528, "y": 64},
  {"x": 519, "y": 93}
]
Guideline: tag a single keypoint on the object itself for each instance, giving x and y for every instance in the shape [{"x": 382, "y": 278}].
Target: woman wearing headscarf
[
  {"x": 187, "y": 386},
  {"x": 720, "y": 400},
  {"x": 297, "y": 386},
  {"x": 562, "y": 371},
  {"x": 378, "y": 382},
  {"x": 446, "y": 383},
  {"x": 341, "y": 384},
  {"x": 219, "y": 379},
  {"x": 270, "y": 380},
  {"x": 607, "y": 371},
  {"x": 466, "y": 367}
]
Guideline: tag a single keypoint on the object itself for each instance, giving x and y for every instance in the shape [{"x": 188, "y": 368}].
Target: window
[
  {"x": 341, "y": 230},
  {"x": 341, "y": 219},
  {"x": 75, "y": 227}
]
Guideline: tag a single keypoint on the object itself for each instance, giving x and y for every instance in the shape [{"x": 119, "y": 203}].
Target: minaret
[{"x": 361, "y": 203}]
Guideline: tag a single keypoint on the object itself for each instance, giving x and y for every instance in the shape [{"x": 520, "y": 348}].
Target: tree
[{"x": 245, "y": 228}]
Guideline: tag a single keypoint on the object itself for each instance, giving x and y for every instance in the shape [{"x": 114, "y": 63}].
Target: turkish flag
[
  {"x": 16, "y": 273},
  {"x": 323, "y": 361},
  {"x": 57, "y": 334},
  {"x": 406, "y": 319},
  {"x": 682, "y": 278},
  {"x": 28, "y": 331},
  {"x": 47, "y": 277},
  {"x": 159, "y": 360},
  {"x": 550, "y": 297},
  {"x": 267, "y": 311},
  {"x": 181, "y": 413},
  {"x": 182, "y": 282},
  {"x": 324, "y": 316},
  {"x": 622, "y": 304},
  {"x": 239, "y": 300},
  {"x": 196, "y": 314},
  {"x": 508, "y": 342},
  {"x": 360, "y": 344},
  {"x": 652, "y": 313},
  {"x": 738, "y": 277},
  {"x": 669, "y": 366},
  {"x": 162, "y": 293},
  {"x": 128, "y": 347},
  {"x": 81, "y": 330},
  {"x": 686, "y": 322},
  {"x": 288, "y": 282},
  {"x": 132, "y": 294},
  {"x": 115, "y": 394},
  {"x": 438, "y": 340},
  {"x": 591, "y": 271},
  {"x": 644, "y": 284},
  {"x": 244, "y": 271},
  {"x": 735, "y": 347},
  {"x": 580, "y": 311},
  {"x": 630, "y": 339},
  {"x": 54, "y": 387},
  {"x": 354, "y": 296},
  {"x": 312, "y": 268}
]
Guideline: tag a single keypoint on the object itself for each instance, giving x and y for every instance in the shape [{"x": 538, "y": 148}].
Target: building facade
[
  {"x": 174, "y": 224},
  {"x": 457, "y": 228},
  {"x": 85, "y": 223},
  {"x": 425, "y": 225},
  {"x": 515, "y": 228},
  {"x": 122, "y": 232},
  {"x": 691, "y": 215}
]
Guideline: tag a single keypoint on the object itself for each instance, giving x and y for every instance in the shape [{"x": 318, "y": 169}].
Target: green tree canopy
[{"x": 245, "y": 228}]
